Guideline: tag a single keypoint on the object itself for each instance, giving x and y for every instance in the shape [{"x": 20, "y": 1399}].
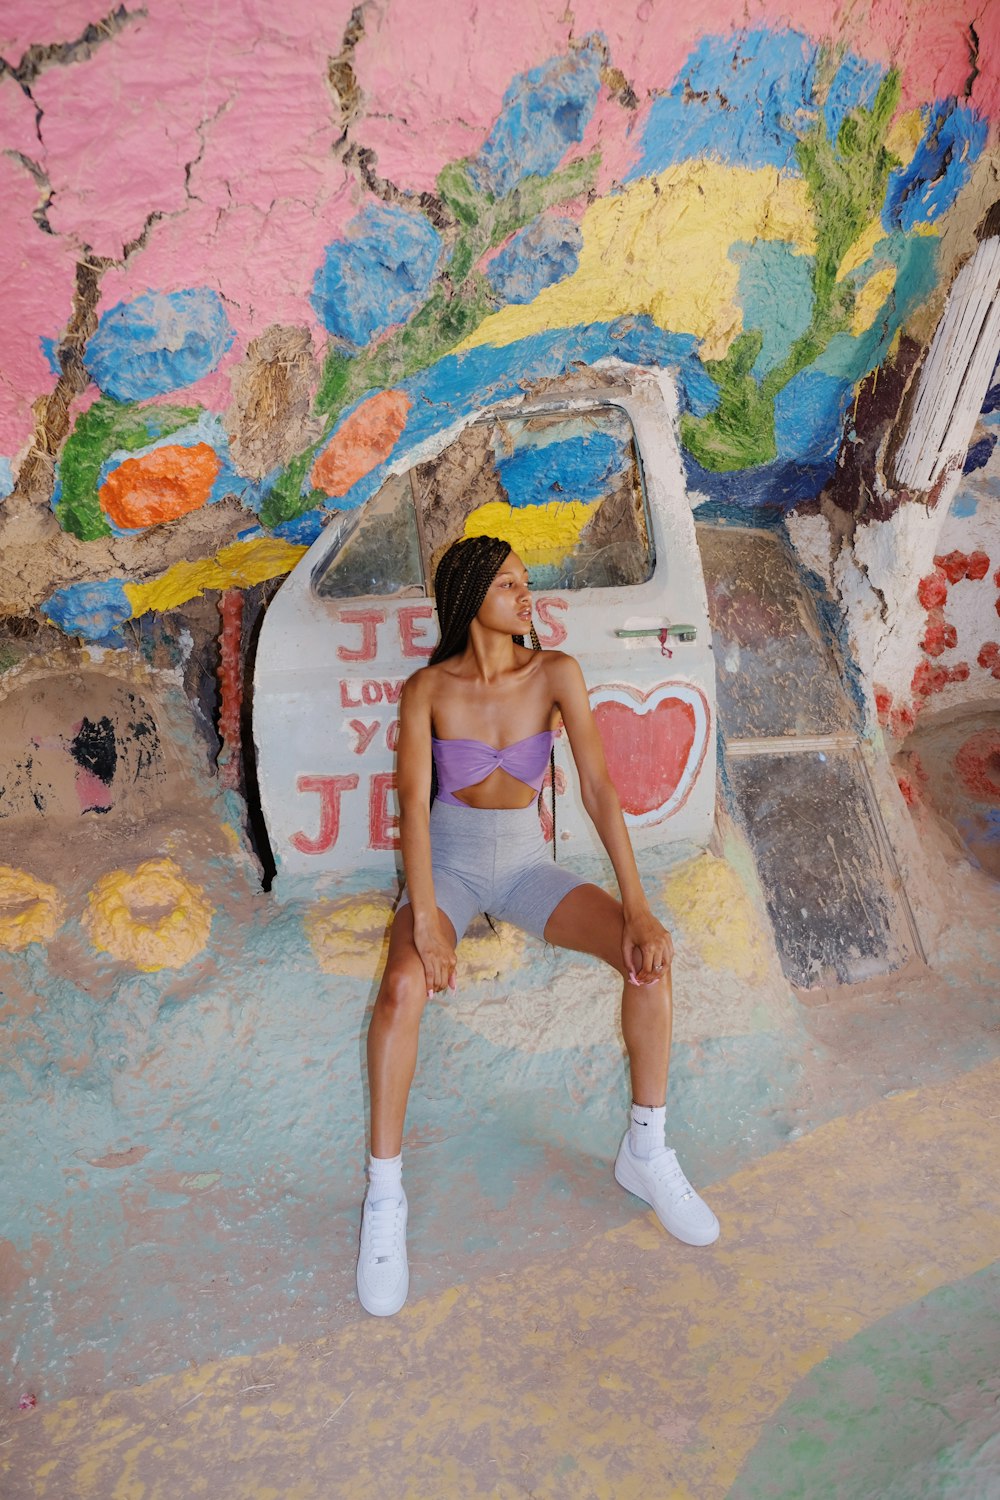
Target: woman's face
[{"x": 507, "y": 606}]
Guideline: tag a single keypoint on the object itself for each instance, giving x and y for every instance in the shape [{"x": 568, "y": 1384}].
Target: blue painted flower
[
  {"x": 544, "y": 112},
  {"x": 921, "y": 192},
  {"x": 747, "y": 109},
  {"x": 545, "y": 252},
  {"x": 158, "y": 343},
  {"x": 89, "y": 610},
  {"x": 6, "y": 478},
  {"x": 378, "y": 275}
]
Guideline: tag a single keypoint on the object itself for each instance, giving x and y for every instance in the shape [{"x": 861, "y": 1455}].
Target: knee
[{"x": 402, "y": 995}]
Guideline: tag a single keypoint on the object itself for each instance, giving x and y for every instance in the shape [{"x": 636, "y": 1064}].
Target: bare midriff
[{"x": 499, "y": 791}]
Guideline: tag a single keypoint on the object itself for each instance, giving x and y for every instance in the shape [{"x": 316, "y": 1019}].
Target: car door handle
[{"x": 663, "y": 633}]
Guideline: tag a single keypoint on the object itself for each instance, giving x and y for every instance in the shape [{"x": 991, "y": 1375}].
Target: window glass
[
  {"x": 381, "y": 554},
  {"x": 564, "y": 488}
]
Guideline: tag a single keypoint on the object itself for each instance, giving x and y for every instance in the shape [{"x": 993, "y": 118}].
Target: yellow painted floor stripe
[{"x": 627, "y": 1367}]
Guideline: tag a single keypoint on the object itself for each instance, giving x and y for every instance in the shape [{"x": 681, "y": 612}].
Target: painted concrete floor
[{"x": 842, "y": 1338}]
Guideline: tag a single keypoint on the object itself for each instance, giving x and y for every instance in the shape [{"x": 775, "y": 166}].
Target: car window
[
  {"x": 565, "y": 488},
  {"x": 381, "y": 553}
]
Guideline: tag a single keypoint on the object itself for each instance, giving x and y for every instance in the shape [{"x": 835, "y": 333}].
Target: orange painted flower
[
  {"x": 362, "y": 441},
  {"x": 159, "y": 486}
]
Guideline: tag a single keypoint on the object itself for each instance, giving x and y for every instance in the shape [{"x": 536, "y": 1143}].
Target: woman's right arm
[{"x": 413, "y": 782}]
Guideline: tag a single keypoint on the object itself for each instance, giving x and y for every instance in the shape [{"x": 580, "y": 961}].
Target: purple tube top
[{"x": 464, "y": 763}]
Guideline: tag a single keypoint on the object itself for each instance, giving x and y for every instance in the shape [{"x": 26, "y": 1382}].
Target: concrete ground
[{"x": 841, "y": 1339}]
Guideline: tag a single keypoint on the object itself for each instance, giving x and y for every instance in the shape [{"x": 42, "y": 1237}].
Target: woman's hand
[
  {"x": 647, "y": 948},
  {"x": 437, "y": 956}
]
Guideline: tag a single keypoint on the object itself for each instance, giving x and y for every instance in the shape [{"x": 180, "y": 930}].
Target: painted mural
[
  {"x": 290, "y": 288},
  {"x": 258, "y": 261}
]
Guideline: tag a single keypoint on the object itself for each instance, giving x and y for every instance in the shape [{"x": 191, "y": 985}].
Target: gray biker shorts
[{"x": 494, "y": 860}]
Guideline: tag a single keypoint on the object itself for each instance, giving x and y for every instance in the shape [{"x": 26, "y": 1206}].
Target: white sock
[
  {"x": 647, "y": 1130},
  {"x": 385, "y": 1177}
]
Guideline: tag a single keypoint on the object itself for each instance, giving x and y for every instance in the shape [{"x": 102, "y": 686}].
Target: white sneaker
[
  {"x": 660, "y": 1182},
  {"x": 383, "y": 1274}
]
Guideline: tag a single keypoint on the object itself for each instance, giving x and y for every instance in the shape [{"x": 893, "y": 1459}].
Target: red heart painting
[{"x": 654, "y": 744}]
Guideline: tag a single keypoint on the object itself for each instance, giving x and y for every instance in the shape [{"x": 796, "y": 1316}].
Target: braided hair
[{"x": 461, "y": 582}]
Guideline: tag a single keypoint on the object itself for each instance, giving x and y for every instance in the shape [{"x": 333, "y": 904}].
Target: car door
[{"x": 586, "y": 483}]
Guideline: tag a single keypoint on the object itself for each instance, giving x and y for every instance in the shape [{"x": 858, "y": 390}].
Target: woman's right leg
[
  {"x": 383, "y": 1275},
  {"x": 394, "y": 1032}
]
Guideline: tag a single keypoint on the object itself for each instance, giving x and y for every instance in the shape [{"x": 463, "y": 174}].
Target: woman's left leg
[{"x": 588, "y": 920}]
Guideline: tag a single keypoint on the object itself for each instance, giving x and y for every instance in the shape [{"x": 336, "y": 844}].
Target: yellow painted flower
[
  {"x": 710, "y": 903},
  {"x": 485, "y": 954},
  {"x": 30, "y": 909},
  {"x": 349, "y": 937},
  {"x": 150, "y": 917}
]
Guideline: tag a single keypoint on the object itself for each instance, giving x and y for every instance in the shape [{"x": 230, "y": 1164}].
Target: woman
[{"x": 478, "y": 719}]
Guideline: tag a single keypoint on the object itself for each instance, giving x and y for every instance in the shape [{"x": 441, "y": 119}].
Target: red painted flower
[
  {"x": 954, "y": 565},
  {"x": 932, "y": 591},
  {"x": 989, "y": 658},
  {"x": 883, "y": 704}
]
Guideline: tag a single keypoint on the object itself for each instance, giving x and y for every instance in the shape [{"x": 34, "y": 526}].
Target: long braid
[{"x": 536, "y": 645}]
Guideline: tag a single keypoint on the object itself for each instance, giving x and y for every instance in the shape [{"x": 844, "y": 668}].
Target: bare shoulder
[
  {"x": 564, "y": 675},
  {"x": 419, "y": 688}
]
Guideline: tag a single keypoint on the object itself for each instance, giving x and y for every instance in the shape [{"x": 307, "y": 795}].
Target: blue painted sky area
[
  {"x": 809, "y": 414},
  {"x": 544, "y": 112},
  {"x": 577, "y": 468},
  {"x": 377, "y": 275},
  {"x": 161, "y": 342},
  {"x": 779, "y": 485}
]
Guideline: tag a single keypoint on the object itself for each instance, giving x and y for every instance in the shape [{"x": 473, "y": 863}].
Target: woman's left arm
[{"x": 646, "y": 944}]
